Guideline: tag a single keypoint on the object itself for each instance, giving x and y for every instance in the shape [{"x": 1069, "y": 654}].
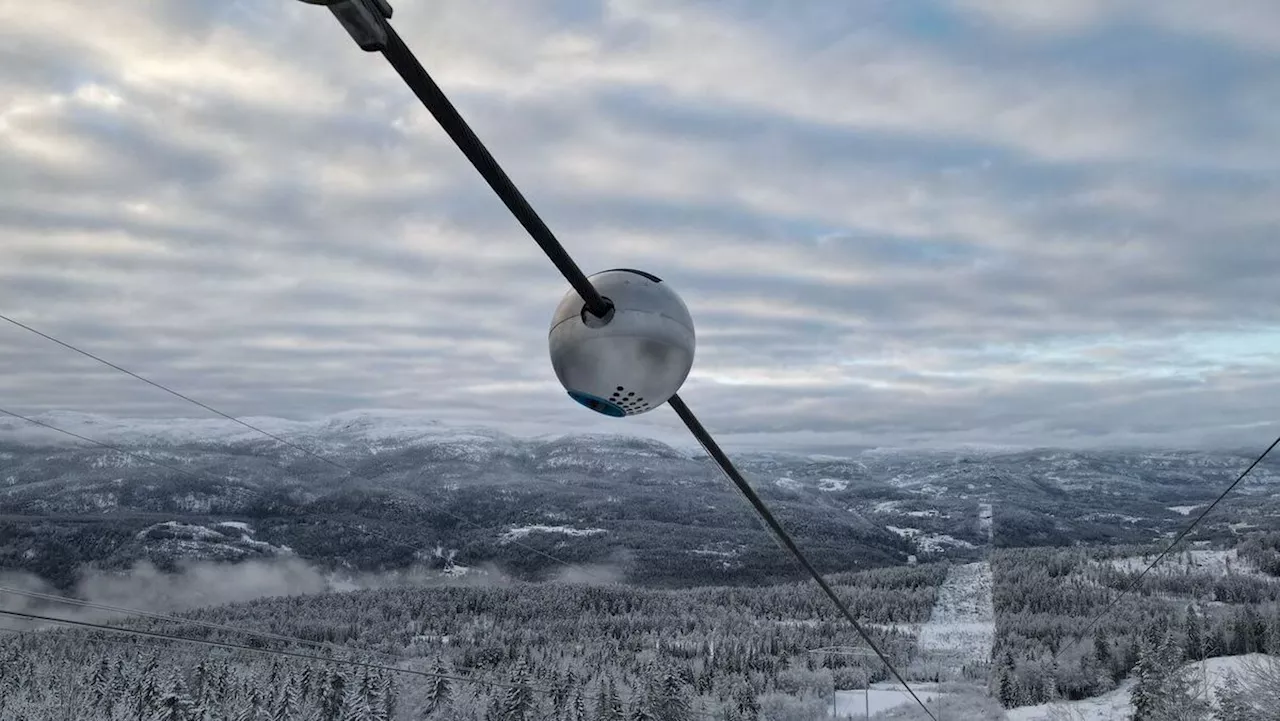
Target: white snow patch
[
  {"x": 238, "y": 525},
  {"x": 880, "y": 697},
  {"x": 832, "y": 484},
  {"x": 712, "y": 552},
  {"x": 886, "y": 506},
  {"x": 1184, "y": 510},
  {"x": 929, "y": 542},
  {"x": 522, "y": 531},
  {"x": 790, "y": 484}
]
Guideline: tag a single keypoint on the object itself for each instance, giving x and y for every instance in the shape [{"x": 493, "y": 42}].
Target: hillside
[{"x": 456, "y": 500}]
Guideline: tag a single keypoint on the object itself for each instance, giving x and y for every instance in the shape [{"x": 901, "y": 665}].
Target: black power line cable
[
  {"x": 367, "y": 32},
  {"x": 420, "y": 82},
  {"x": 422, "y": 85},
  {"x": 433, "y": 98},
  {"x": 727, "y": 467},
  {"x": 1168, "y": 549},
  {"x": 170, "y": 391}
]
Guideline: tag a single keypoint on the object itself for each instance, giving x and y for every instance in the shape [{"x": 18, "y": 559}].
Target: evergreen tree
[
  {"x": 1101, "y": 649},
  {"x": 355, "y": 705},
  {"x": 389, "y": 693},
  {"x": 100, "y": 686},
  {"x": 745, "y": 702},
  {"x": 438, "y": 692},
  {"x": 1163, "y": 691},
  {"x": 608, "y": 705},
  {"x": 517, "y": 705},
  {"x": 332, "y": 698},
  {"x": 1195, "y": 639},
  {"x": 287, "y": 704},
  {"x": 1007, "y": 692},
  {"x": 1232, "y": 705},
  {"x": 252, "y": 711},
  {"x": 1149, "y": 680},
  {"x": 668, "y": 698}
]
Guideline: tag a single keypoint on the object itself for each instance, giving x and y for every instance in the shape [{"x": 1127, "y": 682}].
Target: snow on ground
[
  {"x": 882, "y": 697},
  {"x": 832, "y": 484},
  {"x": 1183, "y": 510},
  {"x": 929, "y": 542},
  {"x": 886, "y": 506},
  {"x": 238, "y": 525},
  {"x": 790, "y": 484},
  {"x": 1115, "y": 705},
  {"x": 962, "y": 625},
  {"x": 522, "y": 531}
]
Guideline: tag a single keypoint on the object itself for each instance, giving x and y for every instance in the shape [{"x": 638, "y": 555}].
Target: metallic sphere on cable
[{"x": 633, "y": 359}]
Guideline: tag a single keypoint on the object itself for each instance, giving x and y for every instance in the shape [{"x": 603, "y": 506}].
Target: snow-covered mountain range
[{"x": 663, "y": 512}]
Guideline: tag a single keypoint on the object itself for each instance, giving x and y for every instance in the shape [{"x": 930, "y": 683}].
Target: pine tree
[
  {"x": 332, "y": 697},
  {"x": 287, "y": 705},
  {"x": 1232, "y": 705},
  {"x": 1147, "y": 687},
  {"x": 355, "y": 706},
  {"x": 669, "y": 700},
  {"x": 438, "y": 692},
  {"x": 1007, "y": 691},
  {"x": 200, "y": 682},
  {"x": 745, "y": 701},
  {"x": 1195, "y": 639},
  {"x": 100, "y": 687},
  {"x": 389, "y": 693},
  {"x": 517, "y": 705},
  {"x": 1101, "y": 649},
  {"x": 253, "y": 710}
]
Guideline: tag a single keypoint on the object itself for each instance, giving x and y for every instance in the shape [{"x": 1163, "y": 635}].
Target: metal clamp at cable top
[
  {"x": 365, "y": 20},
  {"x": 367, "y": 23}
]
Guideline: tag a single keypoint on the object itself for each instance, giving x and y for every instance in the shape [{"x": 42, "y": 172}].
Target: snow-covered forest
[
  {"x": 562, "y": 651},
  {"x": 979, "y": 574}
]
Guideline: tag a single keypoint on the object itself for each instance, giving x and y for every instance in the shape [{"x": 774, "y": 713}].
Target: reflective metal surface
[{"x": 637, "y": 359}]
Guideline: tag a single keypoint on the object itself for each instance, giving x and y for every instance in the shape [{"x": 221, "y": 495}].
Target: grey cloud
[{"x": 319, "y": 245}]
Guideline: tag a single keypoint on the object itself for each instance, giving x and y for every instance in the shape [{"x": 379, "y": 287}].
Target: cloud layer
[{"x": 986, "y": 221}]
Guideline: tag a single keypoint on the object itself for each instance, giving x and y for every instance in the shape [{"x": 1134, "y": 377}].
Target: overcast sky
[{"x": 979, "y": 221}]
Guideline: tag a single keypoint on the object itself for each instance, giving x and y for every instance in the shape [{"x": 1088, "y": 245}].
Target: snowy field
[
  {"x": 1115, "y": 706},
  {"x": 962, "y": 626},
  {"x": 522, "y": 531},
  {"x": 853, "y": 704}
]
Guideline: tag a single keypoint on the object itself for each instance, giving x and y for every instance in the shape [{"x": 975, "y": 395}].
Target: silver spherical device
[{"x": 633, "y": 359}]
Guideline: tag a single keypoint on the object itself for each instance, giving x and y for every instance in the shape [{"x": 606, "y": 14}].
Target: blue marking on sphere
[{"x": 598, "y": 405}]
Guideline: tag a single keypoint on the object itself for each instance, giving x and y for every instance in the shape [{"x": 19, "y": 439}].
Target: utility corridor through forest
[{"x": 961, "y": 628}]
